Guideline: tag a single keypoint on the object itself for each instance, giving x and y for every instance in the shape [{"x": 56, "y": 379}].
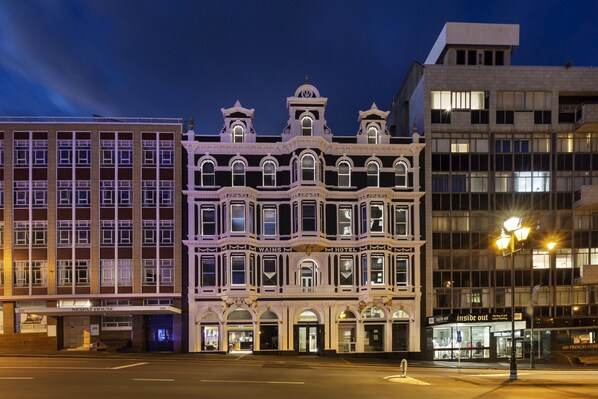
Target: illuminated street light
[{"x": 512, "y": 233}]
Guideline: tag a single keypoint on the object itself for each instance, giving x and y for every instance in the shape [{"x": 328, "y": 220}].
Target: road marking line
[
  {"x": 255, "y": 382},
  {"x": 154, "y": 379},
  {"x": 16, "y": 378},
  {"x": 127, "y": 366}
]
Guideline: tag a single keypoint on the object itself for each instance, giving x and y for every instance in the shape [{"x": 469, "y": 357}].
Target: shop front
[{"x": 482, "y": 337}]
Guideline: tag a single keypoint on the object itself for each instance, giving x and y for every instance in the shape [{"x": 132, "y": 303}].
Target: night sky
[{"x": 185, "y": 59}]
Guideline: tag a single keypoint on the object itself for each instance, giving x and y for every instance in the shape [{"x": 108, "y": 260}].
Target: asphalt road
[{"x": 264, "y": 377}]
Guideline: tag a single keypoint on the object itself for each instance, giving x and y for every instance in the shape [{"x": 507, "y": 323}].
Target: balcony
[
  {"x": 588, "y": 200},
  {"x": 586, "y": 118}
]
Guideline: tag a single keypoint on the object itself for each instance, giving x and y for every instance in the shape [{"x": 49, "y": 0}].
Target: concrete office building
[
  {"x": 89, "y": 226},
  {"x": 504, "y": 140},
  {"x": 303, "y": 242}
]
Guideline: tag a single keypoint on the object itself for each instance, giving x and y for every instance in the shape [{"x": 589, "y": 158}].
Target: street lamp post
[{"x": 512, "y": 232}]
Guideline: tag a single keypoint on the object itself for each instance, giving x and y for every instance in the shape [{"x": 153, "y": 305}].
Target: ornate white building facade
[{"x": 303, "y": 242}]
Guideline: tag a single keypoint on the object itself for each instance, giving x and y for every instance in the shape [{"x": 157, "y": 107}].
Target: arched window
[
  {"x": 207, "y": 174},
  {"x": 400, "y": 174},
  {"x": 308, "y": 167},
  {"x": 372, "y": 135},
  {"x": 344, "y": 174},
  {"x": 307, "y": 125},
  {"x": 373, "y": 178},
  {"x": 269, "y": 174},
  {"x": 294, "y": 173},
  {"x": 239, "y": 173},
  {"x": 238, "y": 134},
  {"x": 307, "y": 274}
]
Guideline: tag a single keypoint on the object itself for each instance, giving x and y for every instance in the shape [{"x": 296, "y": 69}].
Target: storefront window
[
  {"x": 472, "y": 341},
  {"x": 268, "y": 331},
  {"x": 346, "y": 332},
  {"x": 209, "y": 338}
]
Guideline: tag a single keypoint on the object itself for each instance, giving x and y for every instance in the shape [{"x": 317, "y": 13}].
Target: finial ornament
[
  {"x": 191, "y": 124},
  {"x": 306, "y": 78},
  {"x": 414, "y": 126}
]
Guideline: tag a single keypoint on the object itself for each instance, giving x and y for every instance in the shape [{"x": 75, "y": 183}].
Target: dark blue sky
[{"x": 147, "y": 58}]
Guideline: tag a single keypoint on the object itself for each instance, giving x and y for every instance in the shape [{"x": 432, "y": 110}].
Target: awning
[{"x": 100, "y": 310}]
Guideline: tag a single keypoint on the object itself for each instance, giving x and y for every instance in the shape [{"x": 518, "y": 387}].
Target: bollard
[{"x": 403, "y": 367}]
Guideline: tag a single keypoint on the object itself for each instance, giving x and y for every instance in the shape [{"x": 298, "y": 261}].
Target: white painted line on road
[
  {"x": 154, "y": 379},
  {"x": 127, "y": 366},
  {"x": 16, "y": 378},
  {"x": 254, "y": 382}
]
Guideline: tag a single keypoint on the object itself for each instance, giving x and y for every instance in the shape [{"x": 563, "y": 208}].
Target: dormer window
[
  {"x": 238, "y": 134},
  {"x": 373, "y": 178},
  {"x": 269, "y": 174},
  {"x": 307, "y": 126},
  {"x": 308, "y": 168},
  {"x": 207, "y": 174},
  {"x": 239, "y": 174},
  {"x": 372, "y": 135}
]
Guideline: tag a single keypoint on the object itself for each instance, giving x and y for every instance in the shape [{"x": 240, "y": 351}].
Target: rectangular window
[
  {"x": 107, "y": 232},
  {"x": 40, "y": 157},
  {"x": 166, "y": 272},
  {"x": 125, "y": 193},
  {"x": 364, "y": 219},
  {"x": 532, "y": 182},
  {"x": 401, "y": 221},
  {"x": 149, "y": 156},
  {"x": 364, "y": 270},
  {"x": 346, "y": 271},
  {"x": 269, "y": 221},
  {"x": 402, "y": 271},
  {"x": 208, "y": 221},
  {"x": 166, "y": 193},
  {"x": 107, "y": 156},
  {"x": 65, "y": 273},
  {"x": 125, "y": 157},
  {"x": 376, "y": 218},
  {"x": 269, "y": 272},
  {"x": 21, "y": 156},
  {"x": 166, "y": 157},
  {"x": 83, "y": 232},
  {"x": 148, "y": 193},
  {"x": 82, "y": 272},
  {"x": 237, "y": 265},
  {"x": 237, "y": 218},
  {"x": 107, "y": 272},
  {"x": 208, "y": 271},
  {"x": 65, "y": 156},
  {"x": 83, "y": 193},
  {"x": 106, "y": 193},
  {"x": 125, "y": 272},
  {"x": 149, "y": 272},
  {"x": 125, "y": 232},
  {"x": 83, "y": 156},
  {"x": 344, "y": 221},
  {"x": 117, "y": 323},
  {"x": 166, "y": 232},
  {"x": 308, "y": 216},
  {"x": 377, "y": 269},
  {"x": 149, "y": 232}
]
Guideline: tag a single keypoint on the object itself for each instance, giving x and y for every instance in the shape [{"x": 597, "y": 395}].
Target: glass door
[{"x": 307, "y": 340}]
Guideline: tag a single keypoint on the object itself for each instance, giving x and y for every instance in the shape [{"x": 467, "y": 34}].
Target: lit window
[
  {"x": 377, "y": 269},
  {"x": 344, "y": 174},
  {"x": 373, "y": 174},
  {"x": 307, "y": 126},
  {"x": 344, "y": 220},
  {"x": 346, "y": 271}
]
